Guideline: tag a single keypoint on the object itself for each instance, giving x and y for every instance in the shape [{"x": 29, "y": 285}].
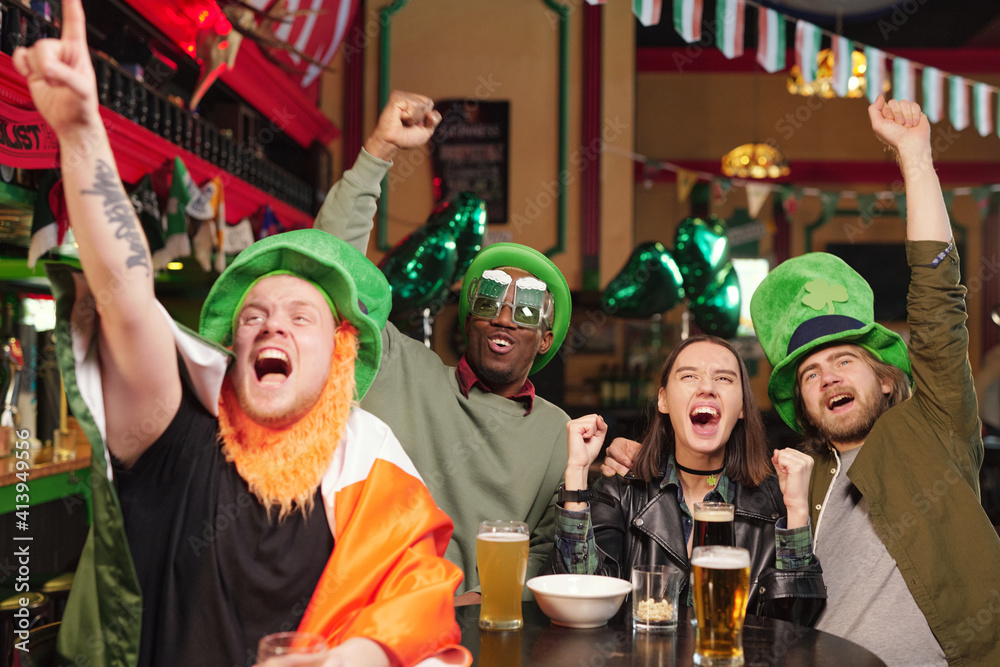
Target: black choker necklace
[{"x": 711, "y": 473}]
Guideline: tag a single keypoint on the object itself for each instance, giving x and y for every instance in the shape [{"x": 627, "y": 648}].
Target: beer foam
[
  {"x": 722, "y": 560},
  {"x": 713, "y": 515},
  {"x": 503, "y": 537}
]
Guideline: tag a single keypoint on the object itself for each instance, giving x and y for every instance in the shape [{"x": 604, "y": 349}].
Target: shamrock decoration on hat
[{"x": 811, "y": 302}]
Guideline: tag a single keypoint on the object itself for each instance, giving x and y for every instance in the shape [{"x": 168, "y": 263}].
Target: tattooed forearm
[{"x": 118, "y": 208}]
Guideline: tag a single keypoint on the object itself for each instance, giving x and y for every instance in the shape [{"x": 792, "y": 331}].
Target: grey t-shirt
[{"x": 867, "y": 600}]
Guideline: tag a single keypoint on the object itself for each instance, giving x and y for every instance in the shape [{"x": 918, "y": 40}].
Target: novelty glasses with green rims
[{"x": 531, "y": 307}]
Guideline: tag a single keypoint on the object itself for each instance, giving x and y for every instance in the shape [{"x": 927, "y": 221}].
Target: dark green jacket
[{"x": 919, "y": 472}]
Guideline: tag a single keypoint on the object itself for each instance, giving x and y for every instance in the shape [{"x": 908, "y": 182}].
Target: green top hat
[
  {"x": 810, "y": 302},
  {"x": 358, "y": 290},
  {"x": 530, "y": 260}
]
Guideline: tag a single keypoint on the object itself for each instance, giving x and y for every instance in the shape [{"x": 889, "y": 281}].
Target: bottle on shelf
[
  {"x": 621, "y": 387},
  {"x": 606, "y": 387},
  {"x": 12, "y": 360}
]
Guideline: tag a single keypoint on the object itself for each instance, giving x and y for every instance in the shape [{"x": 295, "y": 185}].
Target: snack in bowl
[{"x": 579, "y": 600}]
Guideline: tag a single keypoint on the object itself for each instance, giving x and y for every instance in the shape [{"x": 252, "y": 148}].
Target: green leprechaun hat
[
  {"x": 357, "y": 290},
  {"x": 527, "y": 259},
  {"x": 810, "y": 302}
]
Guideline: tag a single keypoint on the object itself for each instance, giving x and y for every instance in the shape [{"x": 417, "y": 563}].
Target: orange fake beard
[{"x": 284, "y": 467}]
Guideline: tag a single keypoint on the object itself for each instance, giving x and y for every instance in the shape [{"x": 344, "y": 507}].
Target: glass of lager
[
  {"x": 713, "y": 524},
  {"x": 720, "y": 583},
  {"x": 502, "y": 559}
]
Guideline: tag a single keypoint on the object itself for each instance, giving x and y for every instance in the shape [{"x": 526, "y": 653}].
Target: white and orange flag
[
  {"x": 770, "y": 40},
  {"x": 729, "y": 19}
]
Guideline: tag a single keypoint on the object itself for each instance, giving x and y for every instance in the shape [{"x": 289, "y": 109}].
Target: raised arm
[
  {"x": 905, "y": 129},
  {"x": 138, "y": 365},
  {"x": 407, "y": 121}
]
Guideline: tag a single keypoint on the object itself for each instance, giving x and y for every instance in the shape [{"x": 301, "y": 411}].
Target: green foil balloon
[
  {"x": 649, "y": 284},
  {"x": 465, "y": 215},
  {"x": 717, "y": 311},
  {"x": 420, "y": 268},
  {"x": 702, "y": 251}
]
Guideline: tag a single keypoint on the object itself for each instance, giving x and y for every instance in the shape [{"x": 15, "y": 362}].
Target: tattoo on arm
[{"x": 120, "y": 213}]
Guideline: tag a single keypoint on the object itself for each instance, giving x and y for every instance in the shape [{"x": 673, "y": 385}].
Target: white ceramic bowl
[{"x": 579, "y": 600}]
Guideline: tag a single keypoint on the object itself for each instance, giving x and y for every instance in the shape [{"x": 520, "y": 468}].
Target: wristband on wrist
[{"x": 583, "y": 496}]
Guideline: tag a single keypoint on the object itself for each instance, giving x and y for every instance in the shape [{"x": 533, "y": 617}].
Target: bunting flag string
[
  {"x": 958, "y": 103},
  {"x": 982, "y": 108},
  {"x": 770, "y": 40},
  {"x": 807, "y": 41},
  {"x": 933, "y": 94},
  {"x": 902, "y": 79},
  {"x": 875, "y": 74},
  {"x": 687, "y": 17},
  {"x": 842, "y": 64},
  {"x": 731, "y": 30},
  {"x": 791, "y": 196}
]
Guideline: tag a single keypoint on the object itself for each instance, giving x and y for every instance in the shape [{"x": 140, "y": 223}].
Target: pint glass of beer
[
  {"x": 713, "y": 524},
  {"x": 502, "y": 558},
  {"x": 720, "y": 581}
]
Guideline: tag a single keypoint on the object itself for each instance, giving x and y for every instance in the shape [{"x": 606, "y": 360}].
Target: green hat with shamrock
[
  {"x": 810, "y": 302},
  {"x": 354, "y": 287}
]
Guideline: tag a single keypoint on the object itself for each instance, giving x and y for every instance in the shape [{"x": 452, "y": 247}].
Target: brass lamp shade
[
  {"x": 822, "y": 86},
  {"x": 755, "y": 161}
]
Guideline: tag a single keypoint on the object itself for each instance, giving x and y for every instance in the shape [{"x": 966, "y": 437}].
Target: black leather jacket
[{"x": 644, "y": 528}]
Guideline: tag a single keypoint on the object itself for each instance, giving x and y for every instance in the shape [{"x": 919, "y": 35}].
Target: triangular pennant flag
[
  {"x": 687, "y": 16},
  {"x": 900, "y": 198},
  {"x": 269, "y": 225},
  {"x": 720, "y": 190},
  {"x": 790, "y": 198},
  {"x": 903, "y": 74},
  {"x": 729, "y": 17},
  {"x": 933, "y": 94},
  {"x": 875, "y": 74},
  {"x": 807, "y": 41},
  {"x": 238, "y": 237},
  {"x": 958, "y": 103},
  {"x": 828, "y": 203},
  {"x": 866, "y": 204},
  {"x": 770, "y": 40},
  {"x": 685, "y": 182},
  {"x": 45, "y": 223},
  {"x": 843, "y": 65},
  {"x": 177, "y": 243},
  {"x": 147, "y": 209},
  {"x": 982, "y": 108},
  {"x": 981, "y": 194},
  {"x": 756, "y": 196}
]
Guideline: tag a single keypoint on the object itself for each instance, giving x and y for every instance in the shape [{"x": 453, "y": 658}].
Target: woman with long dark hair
[{"x": 706, "y": 442}]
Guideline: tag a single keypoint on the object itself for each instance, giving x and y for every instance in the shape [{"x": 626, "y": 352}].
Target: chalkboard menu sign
[{"x": 470, "y": 151}]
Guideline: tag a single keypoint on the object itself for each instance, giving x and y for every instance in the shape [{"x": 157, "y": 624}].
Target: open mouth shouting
[
  {"x": 705, "y": 419},
  {"x": 272, "y": 366},
  {"x": 500, "y": 343},
  {"x": 839, "y": 402}
]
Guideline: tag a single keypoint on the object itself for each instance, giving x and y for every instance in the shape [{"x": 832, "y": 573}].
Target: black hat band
[{"x": 823, "y": 325}]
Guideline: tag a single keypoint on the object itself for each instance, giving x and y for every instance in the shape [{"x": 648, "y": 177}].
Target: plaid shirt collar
[{"x": 467, "y": 379}]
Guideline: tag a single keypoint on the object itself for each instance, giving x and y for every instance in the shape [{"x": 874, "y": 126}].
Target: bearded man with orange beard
[{"x": 253, "y": 495}]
